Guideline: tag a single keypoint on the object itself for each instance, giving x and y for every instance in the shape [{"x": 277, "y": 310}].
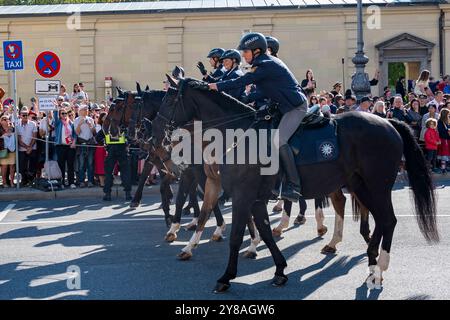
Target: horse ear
[
  {"x": 172, "y": 81},
  {"x": 120, "y": 91},
  {"x": 138, "y": 88},
  {"x": 147, "y": 88}
]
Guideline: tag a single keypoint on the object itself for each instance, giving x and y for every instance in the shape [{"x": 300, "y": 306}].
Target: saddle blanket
[{"x": 315, "y": 144}]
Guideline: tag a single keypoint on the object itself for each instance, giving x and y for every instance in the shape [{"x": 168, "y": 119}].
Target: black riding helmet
[
  {"x": 252, "y": 41},
  {"x": 231, "y": 54},
  {"x": 215, "y": 53},
  {"x": 273, "y": 44}
]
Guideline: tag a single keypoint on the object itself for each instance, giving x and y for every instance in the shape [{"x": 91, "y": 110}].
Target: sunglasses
[
  {"x": 64, "y": 113},
  {"x": 24, "y": 115}
]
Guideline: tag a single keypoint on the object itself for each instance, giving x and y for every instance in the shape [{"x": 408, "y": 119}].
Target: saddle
[{"x": 315, "y": 140}]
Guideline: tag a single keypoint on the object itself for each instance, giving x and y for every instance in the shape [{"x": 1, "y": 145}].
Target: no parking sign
[{"x": 48, "y": 64}]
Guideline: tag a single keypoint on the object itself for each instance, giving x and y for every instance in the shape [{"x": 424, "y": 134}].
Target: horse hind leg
[
  {"x": 338, "y": 200},
  {"x": 320, "y": 203},
  {"x": 255, "y": 240},
  {"x": 364, "y": 228},
  {"x": 284, "y": 222}
]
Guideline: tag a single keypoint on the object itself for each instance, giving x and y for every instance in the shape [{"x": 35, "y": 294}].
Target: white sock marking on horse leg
[
  {"x": 383, "y": 260},
  {"x": 174, "y": 227},
  {"x": 337, "y": 233},
  {"x": 195, "y": 239},
  {"x": 284, "y": 222}
]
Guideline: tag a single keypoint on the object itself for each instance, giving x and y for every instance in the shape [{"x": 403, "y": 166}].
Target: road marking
[
  {"x": 6, "y": 210},
  {"x": 40, "y": 222}
]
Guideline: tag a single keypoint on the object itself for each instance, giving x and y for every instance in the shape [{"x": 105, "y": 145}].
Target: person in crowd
[
  {"x": 379, "y": 109},
  {"x": 415, "y": 117},
  {"x": 84, "y": 93},
  {"x": 313, "y": 101},
  {"x": 27, "y": 134},
  {"x": 423, "y": 107},
  {"x": 439, "y": 99},
  {"x": 65, "y": 139},
  {"x": 309, "y": 84},
  {"x": 400, "y": 87},
  {"x": 446, "y": 87},
  {"x": 71, "y": 115},
  {"x": 63, "y": 93},
  {"x": 8, "y": 163},
  {"x": 337, "y": 87},
  {"x": 398, "y": 111},
  {"x": 339, "y": 101},
  {"x": 444, "y": 135},
  {"x": 100, "y": 151},
  {"x": 47, "y": 125},
  {"x": 77, "y": 95},
  {"x": 350, "y": 103},
  {"x": 387, "y": 94},
  {"x": 422, "y": 82},
  {"x": 431, "y": 114},
  {"x": 432, "y": 141},
  {"x": 330, "y": 98},
  {"x": 85, "y": 130},
  {"x": 411, "y": 96},
  {"x": 441, "y": 84},
  {"x": 364, "y": 105}
]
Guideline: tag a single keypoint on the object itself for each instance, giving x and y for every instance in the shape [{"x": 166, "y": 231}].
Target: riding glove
[{"x": 202, "y": 69}]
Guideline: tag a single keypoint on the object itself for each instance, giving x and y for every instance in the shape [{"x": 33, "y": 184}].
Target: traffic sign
[
  {"x": 47, "y": 87},
  {"x": 12, "y": 55},
  {"x": 46, "y": 103},
  {"x": 47, "y": 64}
]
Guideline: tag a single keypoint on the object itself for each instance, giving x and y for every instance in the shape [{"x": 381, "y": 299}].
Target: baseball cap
[{"x": 365, "y": 99}]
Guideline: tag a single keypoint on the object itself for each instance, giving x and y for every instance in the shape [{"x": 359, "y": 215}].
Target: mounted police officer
[
  {"x": 252, "y": 94},
  {"x": 117, "y": 151},
  {"x": 277, "y": 82},
  {"x": 214, "y": 60},
  {"x": 231, "y": 59}
]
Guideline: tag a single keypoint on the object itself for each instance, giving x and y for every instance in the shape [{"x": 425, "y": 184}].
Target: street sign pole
[{"x": 16, "y": 116}]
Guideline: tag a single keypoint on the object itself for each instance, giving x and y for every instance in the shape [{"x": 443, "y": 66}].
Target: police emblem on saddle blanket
[{"x": 315, "y": 144}]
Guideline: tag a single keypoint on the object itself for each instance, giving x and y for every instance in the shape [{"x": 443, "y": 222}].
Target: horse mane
[
  {"x": 159, "y": 94},
  {"x": 223, "y": 99}
]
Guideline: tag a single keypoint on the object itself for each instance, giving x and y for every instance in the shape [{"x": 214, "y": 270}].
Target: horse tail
[
  {"x": 420, "y": 181},
  {"x": 356, "y": 209},
  {"x": 322, "y": 202}
]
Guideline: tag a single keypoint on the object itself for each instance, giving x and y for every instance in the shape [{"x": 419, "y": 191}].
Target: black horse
[{"x": 366, "y": 142}]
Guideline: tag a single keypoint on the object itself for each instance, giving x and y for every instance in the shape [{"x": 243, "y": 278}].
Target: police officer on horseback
[
  {"x": 231, "y": 59},
  {"x": 214, "y": 60},
  {"x": 277, "y": 82}
]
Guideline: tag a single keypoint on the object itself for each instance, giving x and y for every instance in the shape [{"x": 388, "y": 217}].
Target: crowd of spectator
[
  {"x": 76, "y": 140},
  {"x": 424, "y": 106}
]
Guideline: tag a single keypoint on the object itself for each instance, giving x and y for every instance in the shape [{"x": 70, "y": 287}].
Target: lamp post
[{"x": 360, "y": 80}]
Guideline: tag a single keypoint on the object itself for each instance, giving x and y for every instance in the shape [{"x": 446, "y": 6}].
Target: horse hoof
[
  {"x": 184, "y": 256},
  {"x": 250, "y": 255},
  {"x": 300, "y": 220},
  {"x": 328, "y": 250},
  {"x": 279, "y": 281},
  {"x": 322, "y": 231},
  {"x": 191, "y": 227},
  {"x": 276, "y": 232},
  {"x": 171, "y": 237},
  {"x": 134, "y": 204},
  {"x": 221, "y": 287},
  {"x": 277, "y": 209},
  {"x": 216, "y": 238}
]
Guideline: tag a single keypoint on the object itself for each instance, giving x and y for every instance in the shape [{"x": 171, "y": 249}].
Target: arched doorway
[{"x": 404, "y": 55}]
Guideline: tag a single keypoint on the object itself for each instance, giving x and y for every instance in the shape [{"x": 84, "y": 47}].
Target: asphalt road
[{"x": 121, "y": 254}]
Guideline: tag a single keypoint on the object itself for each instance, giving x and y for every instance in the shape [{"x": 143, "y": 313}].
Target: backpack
[
  {"x": 52, "y": 170},
  {"x": 47, "y": 185}
]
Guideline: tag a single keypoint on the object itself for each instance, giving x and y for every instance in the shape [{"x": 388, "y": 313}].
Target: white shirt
[
  {"x": 10, "y": 142},
  {"x": 85, "y": 131},
  {"x": 26, "y": 133},
  {"x": 43, "y": 126}
]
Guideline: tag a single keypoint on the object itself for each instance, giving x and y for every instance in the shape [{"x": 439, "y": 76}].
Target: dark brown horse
[{"x": 362, "y": 139}]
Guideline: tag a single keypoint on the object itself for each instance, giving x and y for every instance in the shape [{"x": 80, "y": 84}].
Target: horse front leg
[
  {"x": 338, "y": 199},
  {"x": 144, "y": 175}
]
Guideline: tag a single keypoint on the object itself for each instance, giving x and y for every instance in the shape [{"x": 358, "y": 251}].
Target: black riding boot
[{"x": 290, "y": 190}]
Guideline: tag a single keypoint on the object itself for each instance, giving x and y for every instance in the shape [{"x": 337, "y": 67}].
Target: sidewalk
[{"x": 29, "y": 194}]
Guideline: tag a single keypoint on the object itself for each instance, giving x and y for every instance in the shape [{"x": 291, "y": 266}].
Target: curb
[{"x": 32, "y": 194}]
